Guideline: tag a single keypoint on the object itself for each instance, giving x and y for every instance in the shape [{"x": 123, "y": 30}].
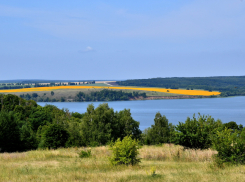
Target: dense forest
[{"x": 227, "y": 85}]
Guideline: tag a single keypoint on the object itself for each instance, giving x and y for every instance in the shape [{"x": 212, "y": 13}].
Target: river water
[{"x": 227, "y": 109}]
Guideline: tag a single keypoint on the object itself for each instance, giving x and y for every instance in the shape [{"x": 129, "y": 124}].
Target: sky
[{"x": 117, "y": 40}]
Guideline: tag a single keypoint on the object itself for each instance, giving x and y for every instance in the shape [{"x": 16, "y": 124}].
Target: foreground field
[
  {"x": 172, "y": 91},
  {"x": 171, "y": 164}
]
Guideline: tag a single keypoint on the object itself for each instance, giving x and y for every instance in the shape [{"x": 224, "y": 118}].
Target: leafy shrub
[
  {"x": 125, "y": 152},
  {"x": 230, "y": 147},
  {"x": 85, "y": 154},
  {"x": 77, "y": 115},
  {"x": 197, "y": 132}
]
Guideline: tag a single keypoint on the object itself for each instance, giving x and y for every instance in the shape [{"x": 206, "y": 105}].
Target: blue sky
[{"x": 121, "y": 39}]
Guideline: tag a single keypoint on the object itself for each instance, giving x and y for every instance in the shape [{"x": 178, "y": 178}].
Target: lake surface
[{"x": 227, "y": 109}]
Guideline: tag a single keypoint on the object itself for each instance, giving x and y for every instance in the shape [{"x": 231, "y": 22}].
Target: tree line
[
  {"x": 14, "y": 87},
  {"x": 108, "y": 95},
  {"x": 103, "y": 95},
  {"x": 26, "y": 84},
  {"x": 24, "y": 125},
  {"x": 227, "y": 85},
  {"x": 51, "y": 84}
]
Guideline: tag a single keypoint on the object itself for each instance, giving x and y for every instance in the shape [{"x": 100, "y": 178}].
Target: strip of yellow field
[{"x": 173, "y": 91}]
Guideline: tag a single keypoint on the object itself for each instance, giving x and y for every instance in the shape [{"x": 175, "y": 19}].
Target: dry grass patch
[{"x": 170, "y": 152}]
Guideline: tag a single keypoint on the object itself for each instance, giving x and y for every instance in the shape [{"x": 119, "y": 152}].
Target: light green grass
[{"x": 65, "y": 165}]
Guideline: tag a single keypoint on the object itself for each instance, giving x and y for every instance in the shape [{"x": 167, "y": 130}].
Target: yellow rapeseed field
[{"x": 173, "y": 91}]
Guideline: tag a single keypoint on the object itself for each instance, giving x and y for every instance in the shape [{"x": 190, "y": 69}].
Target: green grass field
[{"x": 170, "y": 162}]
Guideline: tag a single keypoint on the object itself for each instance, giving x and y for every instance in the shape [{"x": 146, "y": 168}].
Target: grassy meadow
[{"x": 168, "y": 162}]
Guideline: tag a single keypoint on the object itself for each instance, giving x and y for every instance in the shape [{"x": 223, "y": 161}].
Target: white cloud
[{"x": 88, "y": 49}]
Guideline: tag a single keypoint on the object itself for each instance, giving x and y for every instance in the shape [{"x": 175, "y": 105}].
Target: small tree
[
  {"x": 52, "y": 93},
  {"x": 125, "y": 152}
]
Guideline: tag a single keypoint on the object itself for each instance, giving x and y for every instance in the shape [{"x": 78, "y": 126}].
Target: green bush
[
  {"x": 125, "y": 152},
  {"x": 230, "y": 146},
  {"x": 85, "y": 154},
  {"x": 197, "y": 132}
]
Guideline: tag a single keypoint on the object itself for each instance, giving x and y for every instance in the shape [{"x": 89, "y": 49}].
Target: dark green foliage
[
  {"x": 160, "y": 132},
  {"x": 233, "y": 126},
  {"x": 39, "y": 117},
  {"x": 125, "y": 152},
  {"x": 34, "y": 95},
  {"x": 197, "y": 132},
  {"x": 106, "y": 125},
  {"x": 54, "y": 136},
  {"x": 77, "y": 115},
  {"x": 75, "y": 137},
  {"x": 28, "y": 138},
  {"x": 85, "y": 154},
  {"x": 8, "y": 102},
  {"x": 230, "y": 146},
  {"x": 125, "y": 125},
  {"x": 97, "y": 124},
  {"x": 9, "y": 133},
  {"x": 228, "y": 85}
]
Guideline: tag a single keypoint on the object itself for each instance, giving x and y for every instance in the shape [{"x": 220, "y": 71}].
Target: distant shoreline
[{"x": 153, "y": 98}]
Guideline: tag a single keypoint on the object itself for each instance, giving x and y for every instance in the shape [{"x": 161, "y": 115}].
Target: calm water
[{"x": 226, "y": 109}]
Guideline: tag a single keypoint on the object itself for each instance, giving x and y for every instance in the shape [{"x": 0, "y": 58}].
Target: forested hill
[{"x": 228, "y": 85}]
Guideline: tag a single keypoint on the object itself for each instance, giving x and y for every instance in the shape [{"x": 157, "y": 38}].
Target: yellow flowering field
[{"x": 173, "y": 91}]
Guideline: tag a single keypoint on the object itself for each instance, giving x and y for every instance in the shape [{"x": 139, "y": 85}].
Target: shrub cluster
[{"x": 201, "y": 133}]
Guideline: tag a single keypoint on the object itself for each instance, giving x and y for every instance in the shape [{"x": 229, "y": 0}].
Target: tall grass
[
  {"x": 171, "y": 163},
  {"x": 170, "y": 152}
]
